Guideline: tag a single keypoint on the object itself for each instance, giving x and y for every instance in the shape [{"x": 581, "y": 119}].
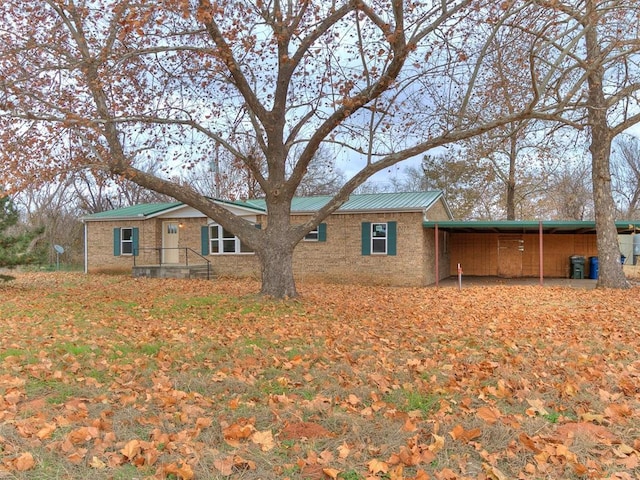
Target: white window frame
[
  {"x": 224, "y": 239},
  {"x": 376, "y": 240},
  {"x": 128, "y": 242},
  {"x": 313, "y": 235}
]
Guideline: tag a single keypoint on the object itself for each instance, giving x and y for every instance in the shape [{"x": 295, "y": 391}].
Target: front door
[
  {"x": 170, "y": 252},
  {"x": 510, "y": 250}
]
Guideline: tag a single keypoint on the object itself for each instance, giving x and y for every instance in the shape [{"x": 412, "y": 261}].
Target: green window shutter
[
  {"x": 135, "y": 235},
  {"x": 392, "y": 237},
  {"x": 116, "y": 242},
  {"x": 204, "y": 240},
  {"x": 366, "y": 238},
  {"x": 322, "y": 232}
]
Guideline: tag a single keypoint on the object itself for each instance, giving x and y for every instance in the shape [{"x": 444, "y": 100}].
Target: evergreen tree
[{"x": 15, "y": 245}]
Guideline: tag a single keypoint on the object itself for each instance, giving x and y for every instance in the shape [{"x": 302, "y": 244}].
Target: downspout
[
  {"x": 437, "y": 257},
  {"x": 541, "y": 255}
]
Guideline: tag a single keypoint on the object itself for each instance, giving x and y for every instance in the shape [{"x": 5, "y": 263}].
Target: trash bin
[
  {"x": 577, "y": 266},
  {"x": 593, "y": 268},
  {"x": 622, "y": 259}
]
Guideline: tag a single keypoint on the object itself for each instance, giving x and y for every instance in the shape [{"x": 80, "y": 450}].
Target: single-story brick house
[
  {"x": 371, "y": 238},
  {"x": 388, "y": 238}
]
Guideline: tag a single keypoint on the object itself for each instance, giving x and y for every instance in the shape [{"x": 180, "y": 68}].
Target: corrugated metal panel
[
  {"x": 527, "y": 226},
  {"x": 148, "y": 209},
  {"x": 391, "y": 201},
  {"x": 364, "y": 202},
  {"x": 142, "y": 210}
]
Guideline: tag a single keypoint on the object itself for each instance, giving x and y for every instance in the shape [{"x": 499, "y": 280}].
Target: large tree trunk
[
  {"x": 276, "y": 253},
  {"x": 277, "y": 273},
  {"x": 610, "y": 269}
]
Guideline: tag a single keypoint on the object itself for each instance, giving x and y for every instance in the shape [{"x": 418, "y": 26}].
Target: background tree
[
  {"x": 98, "y": 191},
  {"x": 53, "y": 210},
  {"x": 569, "y": 195},
  {"x": 171, "y": 81},
  {"x": 625, "y": 175},
  {"x": 17, "y": 244},
  {"x": 596, "y": 78},
  {"x": 468, "y": 187}
]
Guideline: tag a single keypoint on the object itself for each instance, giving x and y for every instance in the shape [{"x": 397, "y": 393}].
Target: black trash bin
[{"x": 577, "y": 266}]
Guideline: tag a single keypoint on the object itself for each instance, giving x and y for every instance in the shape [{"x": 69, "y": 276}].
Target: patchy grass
[{"x": 119, "y": 378}]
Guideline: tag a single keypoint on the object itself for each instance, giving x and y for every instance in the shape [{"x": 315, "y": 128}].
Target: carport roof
[{"x": 526, "y": 226}]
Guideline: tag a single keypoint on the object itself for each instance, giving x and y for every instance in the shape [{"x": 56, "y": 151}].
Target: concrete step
[{"x": 172, "y": 271}]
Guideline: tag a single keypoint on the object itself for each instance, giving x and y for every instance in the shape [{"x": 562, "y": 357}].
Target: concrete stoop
[{"x": 173, "y": 271}]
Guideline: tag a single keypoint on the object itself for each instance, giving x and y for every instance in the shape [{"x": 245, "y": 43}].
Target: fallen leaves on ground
[{"x": 114, "y": 377}]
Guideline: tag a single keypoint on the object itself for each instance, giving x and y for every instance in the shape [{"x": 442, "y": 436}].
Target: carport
[{"x": 515, "y": 249}]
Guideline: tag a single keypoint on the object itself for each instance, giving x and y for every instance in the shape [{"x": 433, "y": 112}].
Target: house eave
[{"x": 528, "y": 226}]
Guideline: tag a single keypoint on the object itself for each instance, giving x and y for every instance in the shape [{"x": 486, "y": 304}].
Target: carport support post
[{"x": 541, "y": 255}]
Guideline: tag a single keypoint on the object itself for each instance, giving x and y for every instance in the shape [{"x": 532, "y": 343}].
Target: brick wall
[
  {"x": 100, "y": 245},
  {"x": 340, "y": 258}
]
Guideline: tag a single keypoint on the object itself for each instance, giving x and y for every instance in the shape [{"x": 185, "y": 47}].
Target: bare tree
[
  {"x": 467, "y": 186},
  {"x": 322, "y": 176},
  {"x": 625, "y": 168},
  {"x": 52, "y": 208},
  {"x": 171, "y": 81},
  {"x": 569, "y": 195},
  {"x": 98, "y": 191},
  {"x": 595, "y": 78}
]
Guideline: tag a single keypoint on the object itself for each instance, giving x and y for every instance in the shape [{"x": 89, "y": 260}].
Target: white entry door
[{"x": 170, "y": 235}]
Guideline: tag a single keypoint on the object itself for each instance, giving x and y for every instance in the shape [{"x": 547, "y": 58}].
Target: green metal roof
[
  {"x": 408, "y": 201},
  {"x": 527, "y": 226},
  {"x": 147, "y": 210},
  {"x": 135, "y": 211}
]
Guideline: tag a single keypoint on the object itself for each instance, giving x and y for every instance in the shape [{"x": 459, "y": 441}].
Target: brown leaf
[
  {"x": 459, "y": 433},
  {"x": 528, "y": 442},
  {"x": 343, "y": 450},
  {"x": 24, "y": 462},
  {"x": 489, "y": 414},
  {"x": 376, "y": 466},
  {"x": 331, "y": 472},
  {"x": 224, "y": 465},
  {"x": 236, "y": 432},
  {"x": 264, "y": 439},
  {"x": 420, "y": 475},
  {"x": 597, "y": 433},
  {"x": 185, "y": 472},
  {"x": 97, "y": 463},
  {"x": 131, "y": 449},
  {"x": 493, "y": 473},
  {"x": 438, "y": 443}
]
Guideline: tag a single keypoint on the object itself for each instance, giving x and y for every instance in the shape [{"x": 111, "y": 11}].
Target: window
[
  {"x": 318, "y": 234},
  {"x": 379, "y": 238},
  {"x": 222, "y": 241},
  {"x": 125, "y": 241}
]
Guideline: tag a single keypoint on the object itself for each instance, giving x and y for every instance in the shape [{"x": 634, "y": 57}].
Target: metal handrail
[{"x": 186, "y": 256}]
